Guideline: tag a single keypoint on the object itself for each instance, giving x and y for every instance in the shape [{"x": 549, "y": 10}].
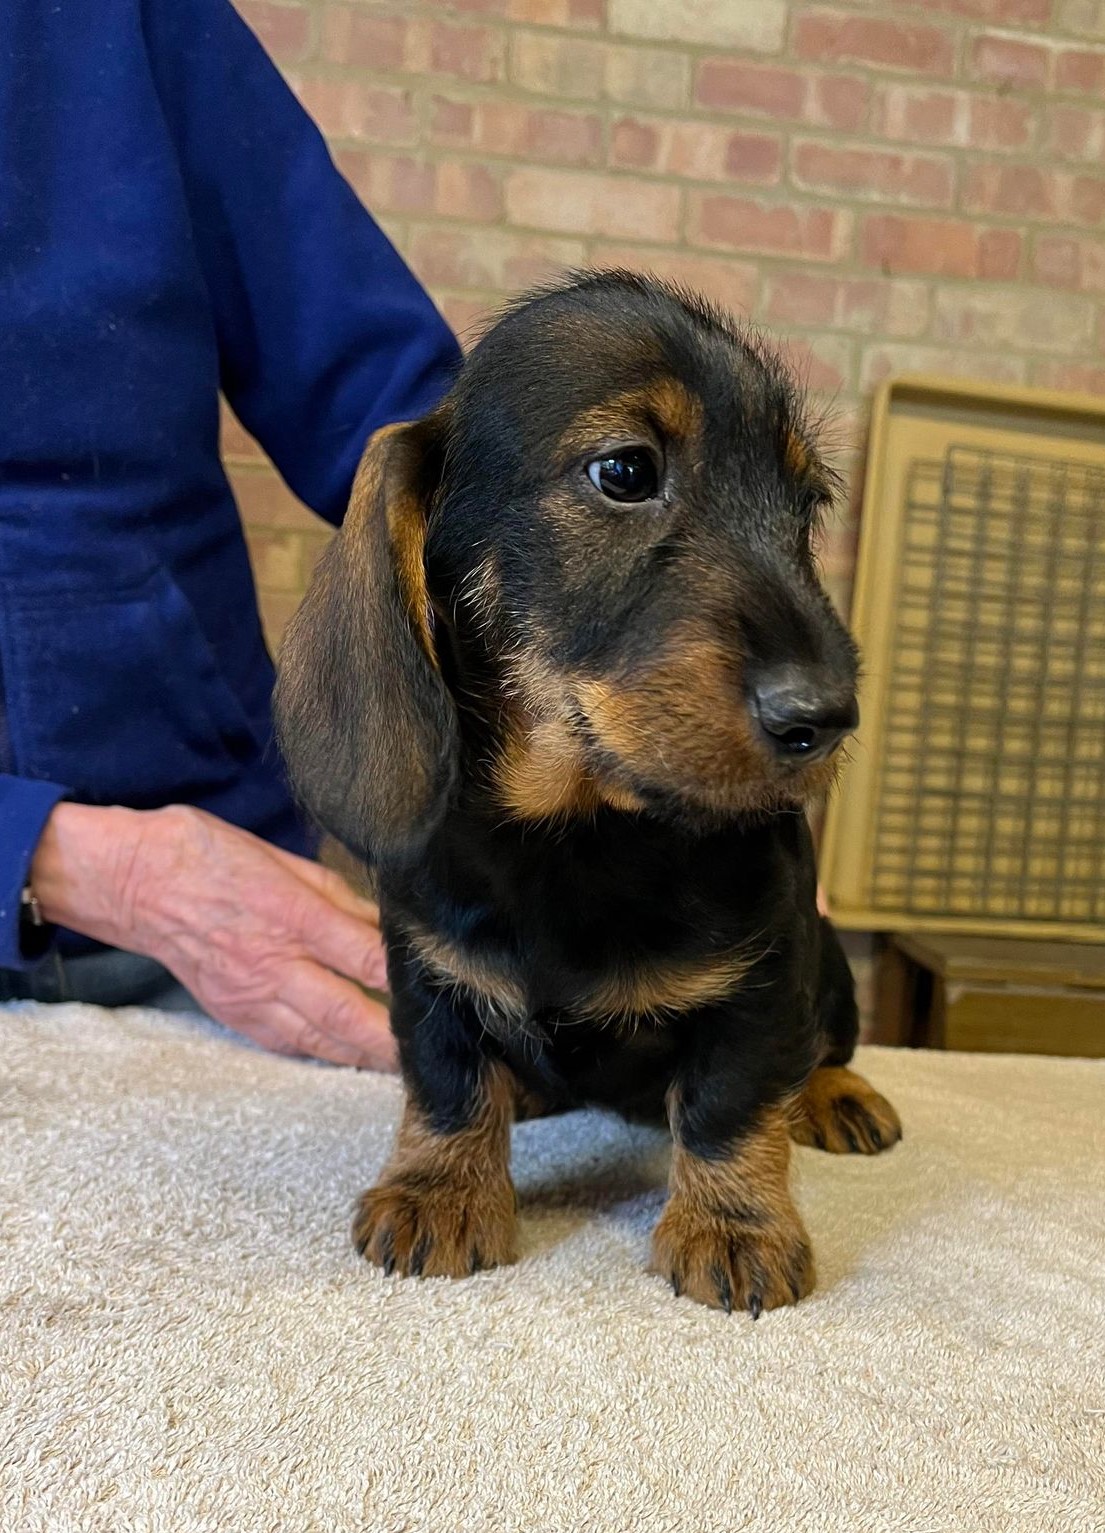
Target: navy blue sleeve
[
  {"x": 324, "y": 333},
  {"x": 25, "y": 806}
]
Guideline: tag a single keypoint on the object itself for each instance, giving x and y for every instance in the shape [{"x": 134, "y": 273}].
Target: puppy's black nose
[{"x": 803, "y": 716}]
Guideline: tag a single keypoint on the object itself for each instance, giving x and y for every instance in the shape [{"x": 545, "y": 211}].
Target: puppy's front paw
[
  {"x": 421, "y": 1227},
  {"x": 839, "y": 1111},
  {"x": 752, "y": 1260}
]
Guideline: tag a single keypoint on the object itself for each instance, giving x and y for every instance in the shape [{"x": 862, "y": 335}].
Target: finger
[
  {"x": 343, "y": 942},
  {"x": 330, "y": 884},
  {"x": 331, "y": 1005},
  {"x": 280, "y": 1029}
]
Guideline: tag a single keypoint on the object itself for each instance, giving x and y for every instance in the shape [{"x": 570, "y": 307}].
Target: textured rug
[{"x": 188, "y": 1341}]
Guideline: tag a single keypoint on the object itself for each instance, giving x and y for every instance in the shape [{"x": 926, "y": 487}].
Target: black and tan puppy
[{"x": 567, "y": 677}]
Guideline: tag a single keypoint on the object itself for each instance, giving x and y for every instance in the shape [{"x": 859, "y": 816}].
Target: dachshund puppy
[{"x": 567, "y": 678}]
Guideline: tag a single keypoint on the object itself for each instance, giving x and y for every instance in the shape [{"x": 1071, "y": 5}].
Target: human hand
[{"x": 270, "y": 944}]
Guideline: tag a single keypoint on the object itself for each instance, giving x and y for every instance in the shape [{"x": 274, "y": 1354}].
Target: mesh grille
[{"x": 990, "y": 799}]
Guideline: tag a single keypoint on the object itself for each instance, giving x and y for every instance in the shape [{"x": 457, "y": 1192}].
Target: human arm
[
  {"x": 25, "y": 806},
  {"x": 271, "y": 944},
  {"x": 323, "y": 332}
]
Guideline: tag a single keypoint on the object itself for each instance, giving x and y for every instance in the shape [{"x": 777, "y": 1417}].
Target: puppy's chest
[{"x": 516, "y": 977}]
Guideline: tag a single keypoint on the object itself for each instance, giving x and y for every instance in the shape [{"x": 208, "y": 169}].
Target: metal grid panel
[{"x": 991, "y": 792}]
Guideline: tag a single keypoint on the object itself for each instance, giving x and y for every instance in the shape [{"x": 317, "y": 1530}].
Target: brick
[
  {"x": 1006, "y": 12},
  {"x": 822, "y": 365},
  {"x": 405, "y": 184},
  {"x": 998, "y": 317},
  {"x": 838, "y": 101},
  {"x": 919, "y": 114},
  {"x": 566, "y": 138},
  {"x": 647, "y": 77},
  {"x": 997, "y": 123},
  {"x": 1030, "y": 191},
  {"x": 1010, "y": 62},
  {"x": 939, "y": 247},
  {"x": 879, "y": 362},
  {"x": 496, "y": 260},
  {"x": 732, "y": 284},
  {"x": 1078, "y": 70},
  {"x": 264, "y": 500},
  {"x": 873, "y": 174},
  {"x": 285, "y": 30},
  {"x": 389, "y": 183},
  {"x": 1085, "y": 18},
  {"x": 1076, "y": 134},
  {"x": 313, "y": 546},
  {"x": 478, "y": 7},
  {"x": 467, "y": 317},
  {"x": 1021, "y": 190},
  {"x": 838, "y": 36},
  {"x": 354, "y": 109},
  {"x": 559, "y": 66},
  {"x": 585, "y": 69},
  {"x": 757, "y": 25},
  {"x": 356, "y": 37},
  {"x": 578, "y": 202},
  {"x": 866, "y": 305},
  {"x": 468, "y": 53},
  {"x": 733, "y": 84},
  {"x": 1070, "y": 261},
  {"x": 1078, "y": 376},
  {"x": 361, "y": 39},
  {"x": 696, "y": 151},
  {"x": 452, "y": 122},
  {"x": 500, "y": 126},
  {"x": 277, "y": 610},
  {"x": 634, "y": 145},
  {"x": 753, "y": 158},
  {"x": 469, "y": 191},
  {"x": 235, "y": 442},
  {"x": 580, "y": 14},
  {"x": 277, "y": 559},
  {"x": 736, "y": 223}
]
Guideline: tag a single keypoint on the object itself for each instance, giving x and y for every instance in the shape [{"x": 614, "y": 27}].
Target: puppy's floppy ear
[{"x": 366, "y": 724}]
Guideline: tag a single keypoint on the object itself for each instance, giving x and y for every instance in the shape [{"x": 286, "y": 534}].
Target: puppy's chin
[{"x": 712, "y": 803}]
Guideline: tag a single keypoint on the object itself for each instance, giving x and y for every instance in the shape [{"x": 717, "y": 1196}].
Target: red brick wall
[{"x": 886, "y": 185}]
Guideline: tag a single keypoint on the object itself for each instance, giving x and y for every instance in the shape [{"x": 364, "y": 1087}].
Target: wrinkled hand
[{"x": 271, "y": 944}]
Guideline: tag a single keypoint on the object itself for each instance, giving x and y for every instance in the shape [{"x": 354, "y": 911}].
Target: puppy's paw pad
[
  {"x": 421, "y": 1229},
  {"x": 752, "y": 1263},
  {"x": 839, "y": 1111}
]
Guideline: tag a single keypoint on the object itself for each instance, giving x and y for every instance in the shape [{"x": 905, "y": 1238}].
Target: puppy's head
[{"x": 601, "y": 545}]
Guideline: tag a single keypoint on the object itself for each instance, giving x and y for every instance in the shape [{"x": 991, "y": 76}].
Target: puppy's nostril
[{"x": 797, "y": 740}]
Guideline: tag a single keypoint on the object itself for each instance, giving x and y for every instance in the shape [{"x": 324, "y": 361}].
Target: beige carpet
[{"x": 187, "y": 1340}]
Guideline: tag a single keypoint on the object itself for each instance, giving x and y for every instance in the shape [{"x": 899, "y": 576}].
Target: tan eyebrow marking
[{"x": 675, "y": 408}]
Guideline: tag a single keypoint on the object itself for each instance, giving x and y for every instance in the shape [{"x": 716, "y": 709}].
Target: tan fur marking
[
  {"x": 796, "y": 454},
  {"x": 541, "y": 775},
  {"x": 657, "y": 990},
  {"x": 666, "y": 404},
  {"x": 841, "y": 1112},
  {"x": 407, "y": 526},
  {"x": 730, "y": 1235},
  {"x": 444, "y": 1206},
  {"x": 494, "y": 985}
]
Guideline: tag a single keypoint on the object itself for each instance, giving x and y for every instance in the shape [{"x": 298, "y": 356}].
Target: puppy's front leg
[
  {"x": 730, "y": 1235},
  {"x": 444, "y": 1205}
]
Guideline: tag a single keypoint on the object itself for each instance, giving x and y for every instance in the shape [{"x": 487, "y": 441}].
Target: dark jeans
[{"x": 108, "y": 978}]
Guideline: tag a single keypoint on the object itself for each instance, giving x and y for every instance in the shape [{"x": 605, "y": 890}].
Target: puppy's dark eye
[{"x": 629, "y": 475}]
